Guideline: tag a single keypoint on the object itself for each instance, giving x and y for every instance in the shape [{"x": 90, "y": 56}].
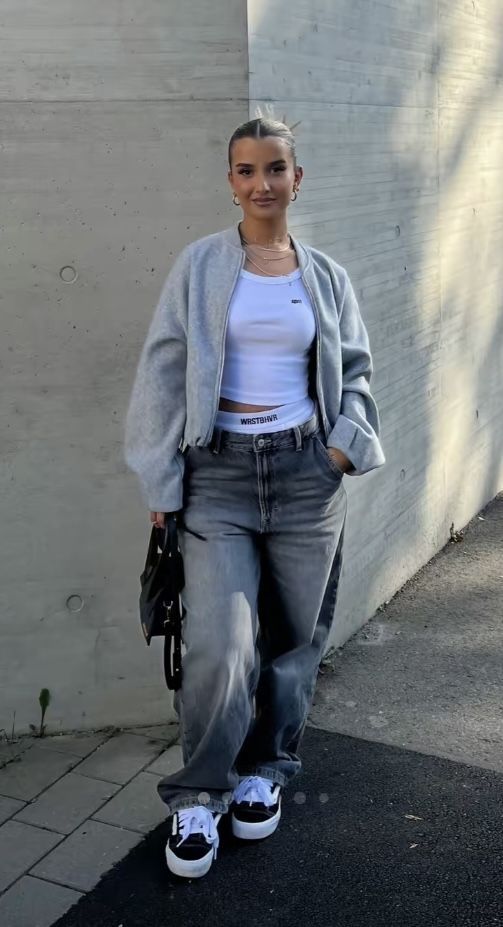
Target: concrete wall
[
  {"x": 114, "y": 125},
  {"x": 114, "y": 119},
  {"x": 401, "y": 138}
]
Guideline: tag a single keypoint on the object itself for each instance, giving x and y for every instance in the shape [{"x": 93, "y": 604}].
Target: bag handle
[{"x": 169, "y": 535}]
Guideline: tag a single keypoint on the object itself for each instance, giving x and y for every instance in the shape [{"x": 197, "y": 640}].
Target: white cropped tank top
[{"x": 270, "y": 330}]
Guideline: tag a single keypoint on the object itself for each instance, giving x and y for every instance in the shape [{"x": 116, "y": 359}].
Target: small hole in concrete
[{"x": 68, "y": 274}]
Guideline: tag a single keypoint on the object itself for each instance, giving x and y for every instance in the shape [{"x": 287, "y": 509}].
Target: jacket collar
[{"x": 232, "y": 237}]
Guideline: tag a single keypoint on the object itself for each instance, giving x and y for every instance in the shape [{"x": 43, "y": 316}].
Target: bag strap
[
  {"x": 173, "y": 660},
  {"x": 152, "y": 548}
]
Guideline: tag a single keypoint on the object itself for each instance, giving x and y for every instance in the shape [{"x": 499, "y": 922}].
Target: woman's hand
[
  {"x": 340, "y": 458},
  {"x": 157, "y": 519}
]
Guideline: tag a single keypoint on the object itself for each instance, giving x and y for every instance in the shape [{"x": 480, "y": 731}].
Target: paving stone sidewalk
[{"x": 71, "y": 806}]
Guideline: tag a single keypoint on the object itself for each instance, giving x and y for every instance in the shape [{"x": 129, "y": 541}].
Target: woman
[{"x": 251, "y": 403}]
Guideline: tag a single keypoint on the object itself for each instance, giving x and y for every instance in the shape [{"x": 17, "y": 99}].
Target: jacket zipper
[{"x": 222, "y": 353}]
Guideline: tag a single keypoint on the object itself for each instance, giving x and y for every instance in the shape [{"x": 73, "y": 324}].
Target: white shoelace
[
  {"x": 198, "y": 820},
  {"x": 255, "y": 789}
]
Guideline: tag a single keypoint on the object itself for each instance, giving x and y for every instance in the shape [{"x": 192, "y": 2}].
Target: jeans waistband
[{"x": 271, "y": 440}]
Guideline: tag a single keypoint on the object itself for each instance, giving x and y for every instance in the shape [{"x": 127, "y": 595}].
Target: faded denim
[{"x": 261, "y": 539}]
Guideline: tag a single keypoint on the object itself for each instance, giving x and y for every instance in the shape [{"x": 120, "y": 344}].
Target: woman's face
[{"x": 263, "y": 176}]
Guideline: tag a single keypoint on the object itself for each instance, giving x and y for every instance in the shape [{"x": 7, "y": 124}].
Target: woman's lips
[{"x": 263, "y": 202}]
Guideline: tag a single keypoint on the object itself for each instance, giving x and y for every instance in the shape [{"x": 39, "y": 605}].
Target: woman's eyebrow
[{"x": 271, "y": 163}]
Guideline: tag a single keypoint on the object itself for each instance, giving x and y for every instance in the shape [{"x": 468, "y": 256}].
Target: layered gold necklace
[{"x": 285, "y": 254}]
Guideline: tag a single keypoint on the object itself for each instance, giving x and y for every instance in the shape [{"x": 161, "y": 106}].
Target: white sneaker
[
  {"x": 193, "y": 843},
  {"x": 256, "y": 808}
]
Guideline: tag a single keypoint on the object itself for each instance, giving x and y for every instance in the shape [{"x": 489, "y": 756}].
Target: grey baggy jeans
[{"x": 261, "y": 537}]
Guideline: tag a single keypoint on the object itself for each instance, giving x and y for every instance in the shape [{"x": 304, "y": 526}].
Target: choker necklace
[
  {"x": 270, "y": 260},
  {"x": 263, "y": 248},
  {"x": 283, "y": 256},
  {"x": 251, "y": 244}
]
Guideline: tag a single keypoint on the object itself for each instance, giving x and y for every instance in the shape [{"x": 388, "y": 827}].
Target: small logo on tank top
[{"x": 296, "y": 300}]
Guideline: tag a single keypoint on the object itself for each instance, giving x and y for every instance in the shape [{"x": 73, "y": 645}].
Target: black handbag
[{"x": 162, "y": 581}]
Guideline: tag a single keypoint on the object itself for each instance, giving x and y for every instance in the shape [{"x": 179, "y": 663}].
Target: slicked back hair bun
[{"x": 262, "y": 127}]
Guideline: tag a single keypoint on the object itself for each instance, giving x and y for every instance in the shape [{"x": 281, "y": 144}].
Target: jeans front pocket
[{"x": 331, "y": 463}]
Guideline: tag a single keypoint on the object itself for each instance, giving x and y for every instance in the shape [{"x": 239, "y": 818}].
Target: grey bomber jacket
[{"x": 176, "y": 389}]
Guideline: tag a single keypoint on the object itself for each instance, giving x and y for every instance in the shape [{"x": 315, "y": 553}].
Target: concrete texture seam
[
  {"x": 342, "y": 103},
  {"x": 166, "y": 743},
  {"x": 50, "y": 830},
  {"x": 112, "y": 781},
  {"x": 129, "y": 830},
  {"x": 29, "y": 801},
  {"x": 173, "y": 101},
  {"x": 58, "y": 779},
  {"x": 45, "y": 741},
  {"x": 49, "y": 882},
  {"x": 107, "y": 733},
  {"x": 127, "y": 781},
  {"x": 14, "y": 812}
]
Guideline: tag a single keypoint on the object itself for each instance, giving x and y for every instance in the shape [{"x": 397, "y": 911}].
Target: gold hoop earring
[
  {"x": 235, "y": 200},
  {"x": 294, "y": 197}
]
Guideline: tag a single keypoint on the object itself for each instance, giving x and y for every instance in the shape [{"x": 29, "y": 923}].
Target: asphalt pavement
[{"x": 370, "y": 835}]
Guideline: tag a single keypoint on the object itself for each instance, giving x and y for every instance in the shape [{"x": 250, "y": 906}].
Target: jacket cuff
[
  {"x": 360, "y": 444},
  {"x": 163, "y": 492}
]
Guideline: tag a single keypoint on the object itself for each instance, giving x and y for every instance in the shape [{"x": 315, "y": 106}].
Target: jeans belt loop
[
  {"x": 216, "y": 441},
  {"x": 298, "y": 438}
]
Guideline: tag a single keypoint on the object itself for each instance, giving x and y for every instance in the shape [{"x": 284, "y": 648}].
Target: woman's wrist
[{"x": 340, "y": 458}]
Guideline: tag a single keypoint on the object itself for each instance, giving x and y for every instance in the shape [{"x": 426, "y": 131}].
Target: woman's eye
[{"x": 247, "y": 171}]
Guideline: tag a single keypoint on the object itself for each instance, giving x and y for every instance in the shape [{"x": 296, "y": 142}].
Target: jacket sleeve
[
  {"x": 155, "y": 418},
  {"x": 356, "y": 428}
]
